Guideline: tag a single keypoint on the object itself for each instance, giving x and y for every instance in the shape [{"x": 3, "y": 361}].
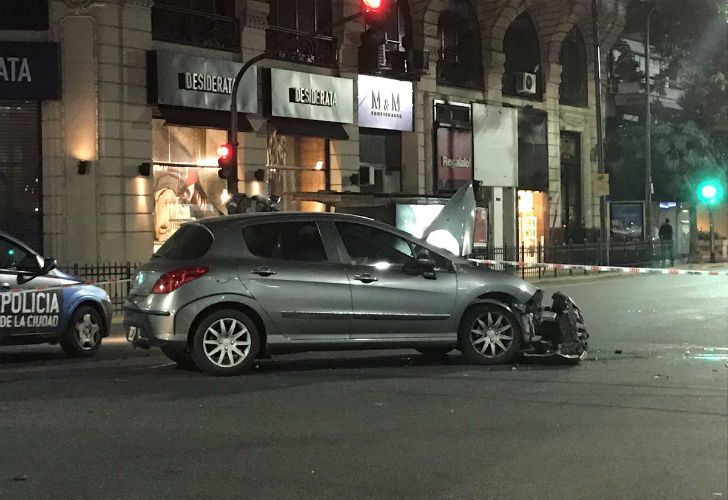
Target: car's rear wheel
[
  {"x": 489, "y": 334},
  {"x": 226, "y": 343},
  {"x": 180, "y": 355},
  {"x": 83, "y": 336}
]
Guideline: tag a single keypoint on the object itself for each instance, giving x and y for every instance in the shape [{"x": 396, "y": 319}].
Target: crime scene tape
[
  {"x": 602, "y": 269},
  {"x": 65, "y": 285}
]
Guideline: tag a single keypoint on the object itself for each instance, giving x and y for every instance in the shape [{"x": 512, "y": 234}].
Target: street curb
[{"x": 583, "y": 277}]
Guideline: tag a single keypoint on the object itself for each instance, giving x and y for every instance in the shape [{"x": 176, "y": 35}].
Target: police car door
[{"x": 30, "y": 314}]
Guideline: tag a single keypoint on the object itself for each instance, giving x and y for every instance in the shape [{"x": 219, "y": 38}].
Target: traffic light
[
  {"x": 226, "y": 161},
  {"x": 710, "y": 192},
  {"x": 375, "y": 34}
]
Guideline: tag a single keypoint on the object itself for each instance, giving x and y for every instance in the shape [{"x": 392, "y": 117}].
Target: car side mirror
[
  {"x": 426, "y": 265},
  {"x": 49, "y": 264}
]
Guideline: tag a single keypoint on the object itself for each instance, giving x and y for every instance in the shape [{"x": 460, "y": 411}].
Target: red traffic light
[
  {"x": 372, "y": 5},
  {"x": 224, "y": 151}
]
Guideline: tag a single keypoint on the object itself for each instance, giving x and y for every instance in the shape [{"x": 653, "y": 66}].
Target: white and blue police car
[{"x": 41, "y": 304}]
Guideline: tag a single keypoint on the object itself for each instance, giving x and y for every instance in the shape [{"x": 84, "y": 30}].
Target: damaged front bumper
[{"x": 557, "y": 331}]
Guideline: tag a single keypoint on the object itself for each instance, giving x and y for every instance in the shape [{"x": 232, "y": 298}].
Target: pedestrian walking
[{"x": 666, "y": 243}]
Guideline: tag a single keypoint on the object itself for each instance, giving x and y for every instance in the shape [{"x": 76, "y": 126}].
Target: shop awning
[
  {"x": 203, "y": 118},
  {"x": 310, "y": 128}
]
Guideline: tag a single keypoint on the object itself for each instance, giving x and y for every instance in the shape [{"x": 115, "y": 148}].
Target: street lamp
[{"x": 648, "y": 128}]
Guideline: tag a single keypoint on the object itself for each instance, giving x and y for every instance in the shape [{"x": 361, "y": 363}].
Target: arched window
[
  {"x": 461, "y": 54},
  {"x": 291, "y": 23},
  {"x": 398, "y": 39},
  {"x": 573, "y": 87},
  {"x": 523, "y": 59}
]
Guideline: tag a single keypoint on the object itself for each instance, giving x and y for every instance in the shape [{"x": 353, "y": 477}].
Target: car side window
[
  {"x": 369, "y": 246},
  {"x": 16, "y": 258},
  {"x": 299, "y": 241}
]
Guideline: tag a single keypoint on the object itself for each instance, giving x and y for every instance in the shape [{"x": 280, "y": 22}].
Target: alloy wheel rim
[
  {"x": 226, "y": 342},
  {"x": 491, "y": 334},
  {"x": 87, "y": 332}
]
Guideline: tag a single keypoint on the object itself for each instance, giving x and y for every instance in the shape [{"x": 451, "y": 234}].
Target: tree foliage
[{"x": 691, "y": 37}]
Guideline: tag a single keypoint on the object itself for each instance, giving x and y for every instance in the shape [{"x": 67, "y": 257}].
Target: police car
[{"x": 40, "y": 304}]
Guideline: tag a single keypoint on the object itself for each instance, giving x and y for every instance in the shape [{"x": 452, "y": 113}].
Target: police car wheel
[{"x": 84, "y": 333}]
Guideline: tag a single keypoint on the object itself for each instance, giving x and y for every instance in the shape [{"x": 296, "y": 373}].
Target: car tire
[
  {"x": 83, "y": 336},
  {"x": 181, "y": 356},
  {"x": 226, "y": 343},
  {"x": 434, "y": 352},
  {"x": 489, "y": 335}
]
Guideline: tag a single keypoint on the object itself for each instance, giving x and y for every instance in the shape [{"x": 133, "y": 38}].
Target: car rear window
[{"x": 190, "y": 242}]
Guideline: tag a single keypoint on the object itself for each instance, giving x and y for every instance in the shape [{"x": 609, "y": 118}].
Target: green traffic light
[{"x": 710, "y": 192}]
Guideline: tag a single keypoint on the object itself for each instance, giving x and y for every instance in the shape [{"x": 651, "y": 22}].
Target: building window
[
  {"x": 290, "y": 36},
  {"x": 21, "y": 182},
  {"x": 461, "y": 55},
  {"x": 31, "y": 15},
  {"x": 186, "y": 184},
  {"x": 522, "y": 76},
  {"x": 391, "y": 55},
  {"x": 571, "y": 195},
  {"x": 204, "y": 23},
  {"x": 298, "y": 166},
  {"x": 380, "y": 157},
  {"x": 573, "y": 87}
]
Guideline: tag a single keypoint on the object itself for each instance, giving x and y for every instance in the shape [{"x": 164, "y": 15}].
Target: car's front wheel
[
  {"x": 84, "y": 333},
  {"x": 226, "y": 343},
  {"x": 489, "y": 334}
]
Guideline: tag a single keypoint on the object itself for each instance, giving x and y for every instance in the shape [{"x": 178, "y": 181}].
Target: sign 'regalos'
[
  {"x": 29, "y": 70},
  {"x": 196, "y": 82},
  {"x": 311, "y": 97},
  {"x": 385, "y": 104},
  {"x": 454, "y": 160}
]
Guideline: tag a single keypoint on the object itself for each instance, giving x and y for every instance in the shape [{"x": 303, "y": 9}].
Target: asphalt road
[{"x": 646, "y": 416}]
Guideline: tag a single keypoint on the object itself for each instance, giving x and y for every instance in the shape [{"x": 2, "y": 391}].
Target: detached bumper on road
[{"x": 560, "y": 332}]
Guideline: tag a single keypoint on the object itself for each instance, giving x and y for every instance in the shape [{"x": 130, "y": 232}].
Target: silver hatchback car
[{"x": 224, "y": 291}]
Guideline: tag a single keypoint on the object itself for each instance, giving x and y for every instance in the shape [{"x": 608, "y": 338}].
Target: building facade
[{"x": 112, "y": 113}]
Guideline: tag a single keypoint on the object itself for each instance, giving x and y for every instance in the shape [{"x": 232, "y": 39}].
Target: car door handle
[
  {"x": 365, "y": 278},
  {"x": 263, "y": 271}
]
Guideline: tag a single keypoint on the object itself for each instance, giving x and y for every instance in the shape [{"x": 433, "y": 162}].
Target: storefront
[
  {"x": 385, "y": 111},
  {"x": 307, "y": 112},
  {"x": 29, "y": 74},
  {"x": 192, "y": 101},
  {"x": 533, "y": 179},
  {"x": 453, "y": 140}
]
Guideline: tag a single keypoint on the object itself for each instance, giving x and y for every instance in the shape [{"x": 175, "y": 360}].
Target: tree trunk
[{"x": 694, "y": 256}]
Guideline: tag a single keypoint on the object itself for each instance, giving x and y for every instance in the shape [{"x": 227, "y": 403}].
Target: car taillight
[{"x": 172, "y": 280}]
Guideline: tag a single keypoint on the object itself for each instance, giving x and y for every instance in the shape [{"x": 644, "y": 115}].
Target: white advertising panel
[
  {"x": 385, "y": 104},
  {"x": 496, "y": 145},
  {"x": 312, "y": 97}
]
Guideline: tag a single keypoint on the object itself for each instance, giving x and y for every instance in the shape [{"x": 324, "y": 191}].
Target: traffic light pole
[
  {"x": 712, "y": 236},
  {"x": 604, "y": 229},
  {"x": 344, "y": 20},
  {"x": 232, "y": 180}
]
